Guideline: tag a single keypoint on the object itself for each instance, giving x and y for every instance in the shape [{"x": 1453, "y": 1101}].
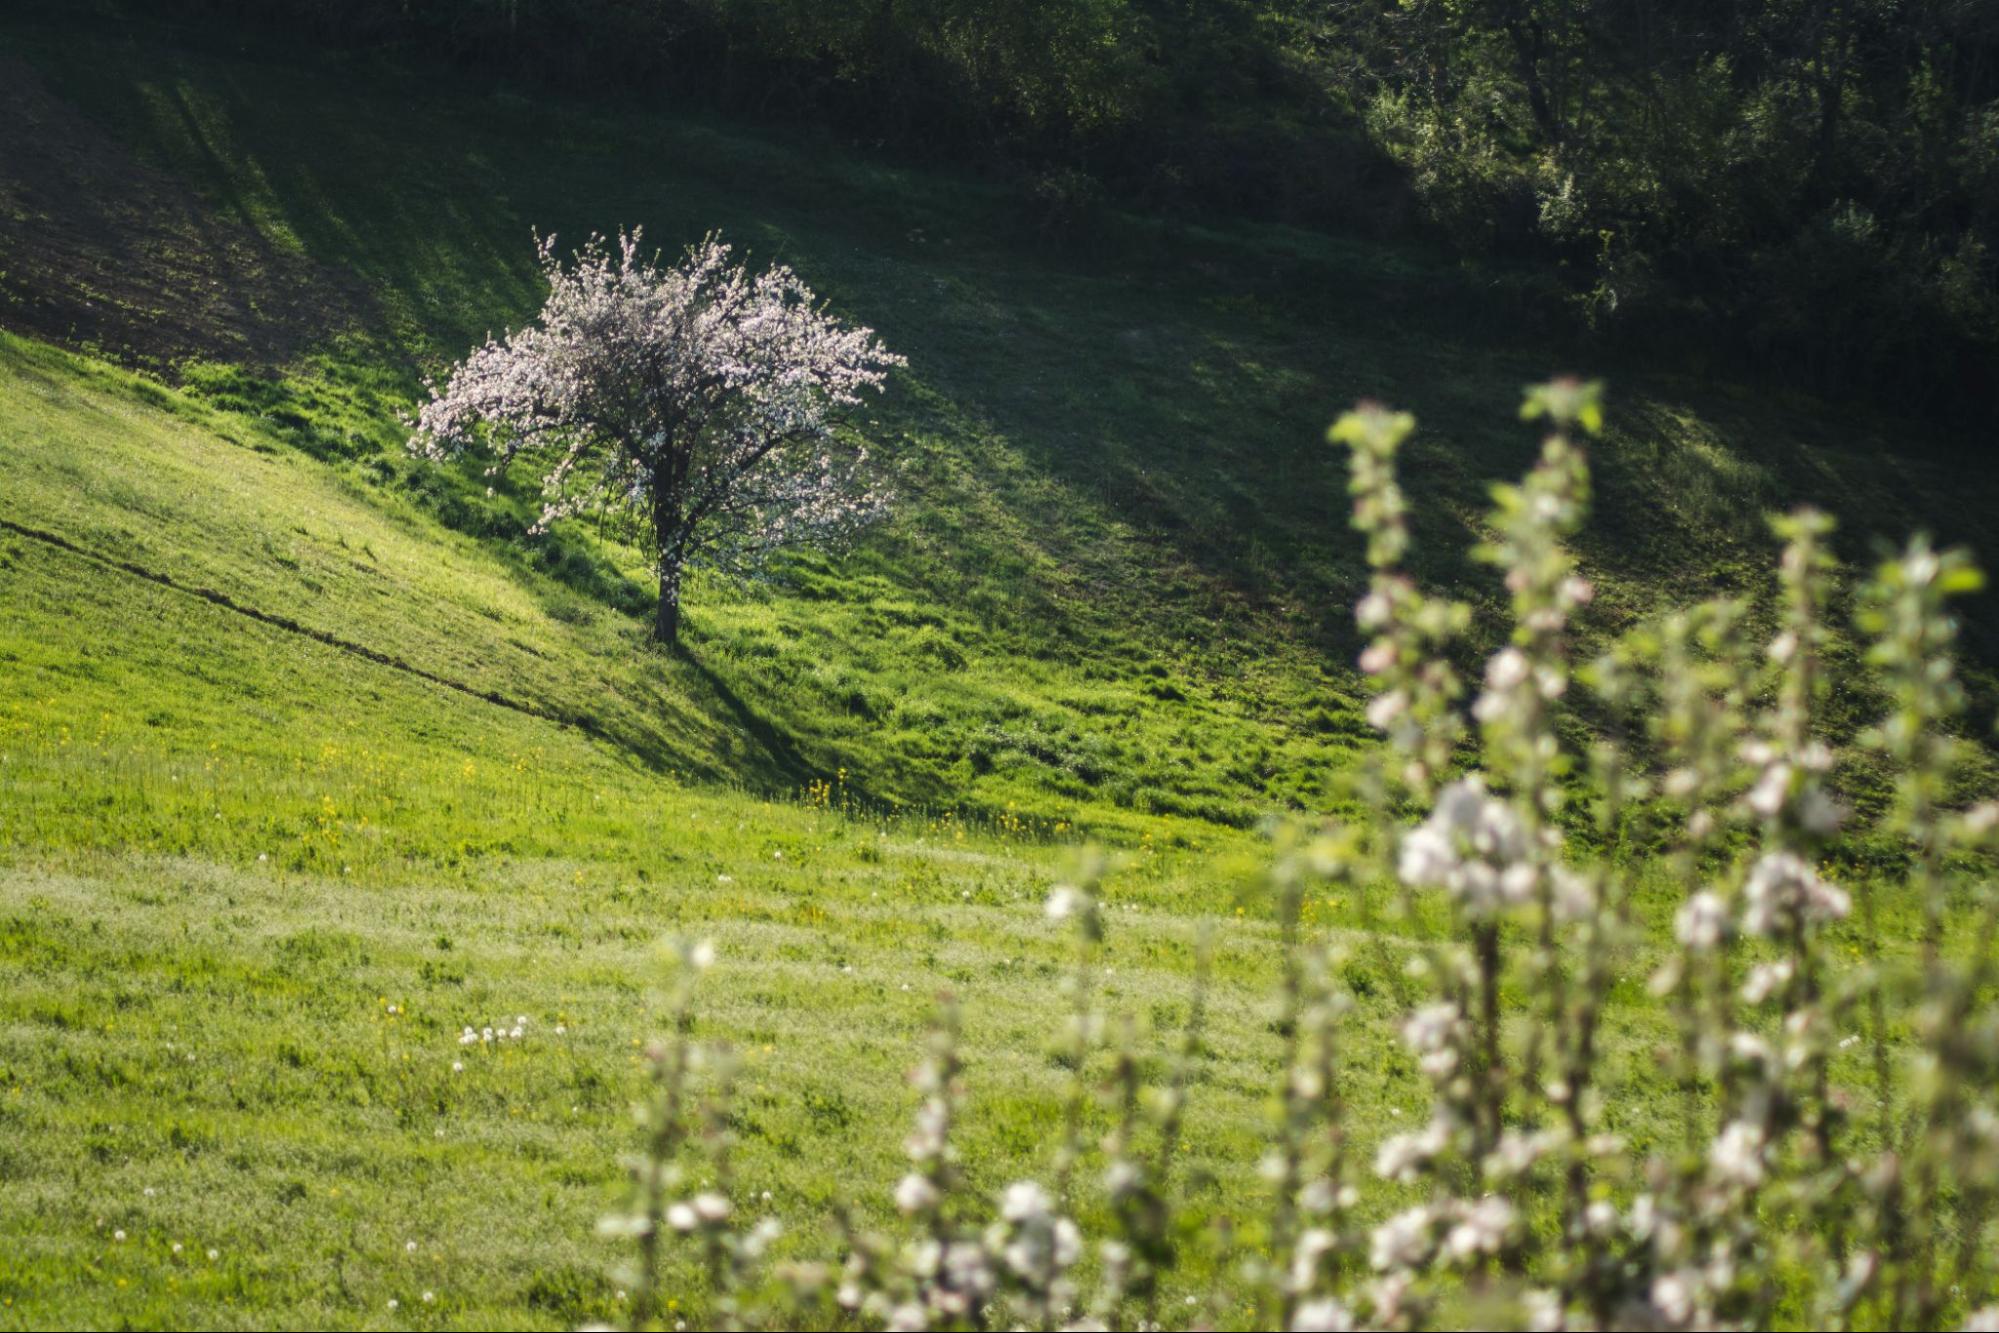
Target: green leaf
[{"x": 1960, "y": 579}]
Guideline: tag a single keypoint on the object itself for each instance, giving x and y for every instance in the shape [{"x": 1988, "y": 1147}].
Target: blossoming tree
[{"x": 701, "y": 396}]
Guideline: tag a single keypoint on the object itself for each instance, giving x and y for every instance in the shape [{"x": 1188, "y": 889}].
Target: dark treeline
[{"x": 1811, "y": 186}]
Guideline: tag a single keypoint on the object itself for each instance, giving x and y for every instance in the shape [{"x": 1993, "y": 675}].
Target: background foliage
[{"x": 1813, "y": 182}]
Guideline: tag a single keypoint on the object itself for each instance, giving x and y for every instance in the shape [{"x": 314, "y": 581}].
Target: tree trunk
[
  {"x": 1828, "y": 76},
  {"x": 666, "y": 531},
  {"x": 1529, "y": 37},
  {"x": 666, "y": 622}
]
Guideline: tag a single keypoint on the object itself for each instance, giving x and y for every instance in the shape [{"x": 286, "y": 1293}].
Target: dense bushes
[
  {"x": 1813, "y": 184},
  {"x": 1811, "y": 180}
]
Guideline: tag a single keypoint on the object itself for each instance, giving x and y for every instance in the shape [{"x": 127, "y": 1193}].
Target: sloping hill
[
  {"x": 1119, "y": 578},
  {"x": 258, "y": 870}
]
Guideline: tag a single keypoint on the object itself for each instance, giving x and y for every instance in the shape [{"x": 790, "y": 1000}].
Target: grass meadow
[{"x": 309, "y": 760}]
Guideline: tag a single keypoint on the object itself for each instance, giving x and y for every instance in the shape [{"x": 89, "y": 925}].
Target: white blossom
[
  {"x": 1433, "y": 1033},
  {"x": 1544, "y": 1311},
  {"x": 1767, "y": 797},
  {"x": 915, "y": 1193},
  {"x": 1385, "y": 708},
  {"x": 1673, "y": 1296},
  {"x": 1321, "y": 1316},
  {"x": 1736, "y": 1157},
  {"x": 1023, "y": 1201},
  {"x": 1036, "y": 1244},
  {"x": 1782, "y": 890},
  {"x": 1402, "y": 1156},
  {"x": 1517, "y": 1151},
  {"x": 1766, "y": 979},
  {"x": 1474, "y": 847},
  {"x": 1403, "y": 1241},
  {"x": 1572, "y": 896},
  {"x": 1702, "y": 922},
  {"x": 1481, "y": 1229}
]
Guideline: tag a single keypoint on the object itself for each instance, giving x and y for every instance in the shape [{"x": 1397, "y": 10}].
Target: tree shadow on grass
[
  {"x": 782, "y": 760},
  {"x": 109, "y": 252}
]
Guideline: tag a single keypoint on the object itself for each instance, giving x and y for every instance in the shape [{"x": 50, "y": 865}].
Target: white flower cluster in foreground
[
  {"x": 1474, "y": 847},
  {"x": 1802, "y": 1129},
  {"x": 1784, "y": 894}
]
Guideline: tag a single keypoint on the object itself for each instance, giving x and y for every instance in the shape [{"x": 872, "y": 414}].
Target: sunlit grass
[{"x": 1115, "y": 605}]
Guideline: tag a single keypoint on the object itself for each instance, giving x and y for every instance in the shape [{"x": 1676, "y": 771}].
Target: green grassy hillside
[
  {"x": 1119, "y": 578},
  {"x": 294, "y": 729},
  {"x": 228, "y": 846},
  {"x": 254, "y": 880}
]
